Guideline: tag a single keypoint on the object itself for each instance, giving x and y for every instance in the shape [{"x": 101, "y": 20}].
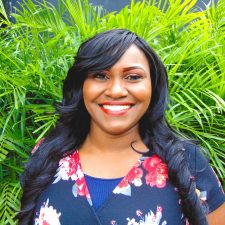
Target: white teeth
[{"x": 116, "y": 107}]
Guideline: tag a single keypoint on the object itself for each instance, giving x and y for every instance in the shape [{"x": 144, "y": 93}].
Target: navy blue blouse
[
  {"x": 145, "y": 196},
  {"x": 100, "y": 189}
]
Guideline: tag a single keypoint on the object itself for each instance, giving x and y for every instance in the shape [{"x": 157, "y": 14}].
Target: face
[{"x": 117, "y": 98}]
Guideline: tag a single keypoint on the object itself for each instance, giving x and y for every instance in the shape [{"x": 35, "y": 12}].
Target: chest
[{"x": 143, "y": 196}]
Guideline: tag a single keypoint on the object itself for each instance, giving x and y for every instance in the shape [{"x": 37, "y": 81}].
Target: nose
[{"x": 116, "y": 89}]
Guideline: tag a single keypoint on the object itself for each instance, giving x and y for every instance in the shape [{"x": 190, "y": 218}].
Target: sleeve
[{"x": 208, "y": 186}]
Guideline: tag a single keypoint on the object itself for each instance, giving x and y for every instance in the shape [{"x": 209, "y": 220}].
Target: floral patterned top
[{"x": 145, "y": 196}]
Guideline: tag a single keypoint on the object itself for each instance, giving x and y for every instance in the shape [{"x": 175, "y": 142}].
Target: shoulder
[
  {"x": 197, "y": 159},
  {"x": 208, "y": 186}
]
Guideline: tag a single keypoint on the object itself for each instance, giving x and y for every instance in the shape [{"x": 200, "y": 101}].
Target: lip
[
  {"x": 113, "y": 112},
  {"x": 117, "y": 103}
]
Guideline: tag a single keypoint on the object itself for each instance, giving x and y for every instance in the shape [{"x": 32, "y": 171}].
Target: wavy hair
[{"x": 99, "y": 53}]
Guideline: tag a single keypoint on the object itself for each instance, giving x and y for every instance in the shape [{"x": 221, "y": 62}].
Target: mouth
[{"x": 116, "y": 108}]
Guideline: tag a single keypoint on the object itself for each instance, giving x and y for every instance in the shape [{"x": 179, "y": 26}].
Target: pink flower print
[
  {"x": 123, "y": 183},
  {"x": 159, "y": 209},
  {"x": 37, "y": 146},
  {"x": 69, "y": 168},
  {"x": 133, "y": 177},
  {"x": 71, "y": 165},
  {"x": 148, "y": 219},
  {"x": 48, "y": 216},
  {"x": 113, "y": 222},
  {"x": 157, "y": 172},
  {"x": 139, "y": 213},
  {"x": 82, "y": 187}
]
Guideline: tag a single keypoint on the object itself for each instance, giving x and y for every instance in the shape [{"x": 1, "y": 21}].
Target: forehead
[{"x": 133, "y": 56}]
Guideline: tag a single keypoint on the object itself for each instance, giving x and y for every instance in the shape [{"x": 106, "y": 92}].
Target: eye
[
  {"x": 100, "y": 76},
  {"x": 133, "y": 77}
]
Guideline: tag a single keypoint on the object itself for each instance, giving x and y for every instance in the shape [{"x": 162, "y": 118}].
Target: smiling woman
[{"x": 112, "y": 158}]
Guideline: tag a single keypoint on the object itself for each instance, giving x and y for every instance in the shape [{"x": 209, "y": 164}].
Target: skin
[
  {"x": 126, "y": 81},
  {"x": 108, "y": 143},
  {"x": 217, "y": 217}
]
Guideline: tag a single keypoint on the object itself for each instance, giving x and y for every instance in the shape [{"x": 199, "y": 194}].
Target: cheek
[
  {"x": 91, "y": 92},
  {"x": 148, "y": 91},
  {"x": 87, "y": 90},
  {"x": 143, "y": 93}
]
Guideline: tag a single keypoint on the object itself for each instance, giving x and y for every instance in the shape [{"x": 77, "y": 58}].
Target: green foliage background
[{"x": 37, "y": 50}]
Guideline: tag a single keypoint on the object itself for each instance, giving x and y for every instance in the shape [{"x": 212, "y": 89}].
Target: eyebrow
[
  {"x": 133, "y": 67},
  {"x": 130, "y": 68}
]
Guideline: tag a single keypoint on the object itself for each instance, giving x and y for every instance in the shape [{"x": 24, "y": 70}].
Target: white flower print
[
  {"x": 48, "y": 216},
  {"x": 137, "y": 182},
  {"x": 132, "y": 222},
  {"x": 148, "y": 219},
  {"x": 123, "y": 190}
]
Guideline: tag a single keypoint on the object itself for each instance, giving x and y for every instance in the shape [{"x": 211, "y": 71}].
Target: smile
[{"x": 115, "y": 108}]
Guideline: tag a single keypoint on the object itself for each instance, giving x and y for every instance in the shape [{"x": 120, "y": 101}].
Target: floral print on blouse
[
  {"x": 48, "y": 215},
  {"x": 145, "y": 196},
  {"x": 70, "y": 168}
]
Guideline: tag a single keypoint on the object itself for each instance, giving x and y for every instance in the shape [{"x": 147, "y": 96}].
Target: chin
[
  {"x": 119, "y": 130},
  {"x": 116, "y": 132}
]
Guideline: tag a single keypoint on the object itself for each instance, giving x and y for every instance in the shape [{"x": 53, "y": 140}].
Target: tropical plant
[{"x": 38, "y": 48}]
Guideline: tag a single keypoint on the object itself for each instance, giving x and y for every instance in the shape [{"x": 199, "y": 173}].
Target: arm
[{"x": 217, "y": 217}]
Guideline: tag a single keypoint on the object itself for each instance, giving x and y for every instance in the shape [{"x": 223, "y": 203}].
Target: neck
[{"x": 104, "y": 143}]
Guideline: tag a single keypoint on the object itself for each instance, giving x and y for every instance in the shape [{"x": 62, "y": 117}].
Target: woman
[{"x": 112, "y": 159}]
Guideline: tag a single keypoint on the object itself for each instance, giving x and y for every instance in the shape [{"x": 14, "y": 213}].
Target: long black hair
[{"x": 99, "y": 53}]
